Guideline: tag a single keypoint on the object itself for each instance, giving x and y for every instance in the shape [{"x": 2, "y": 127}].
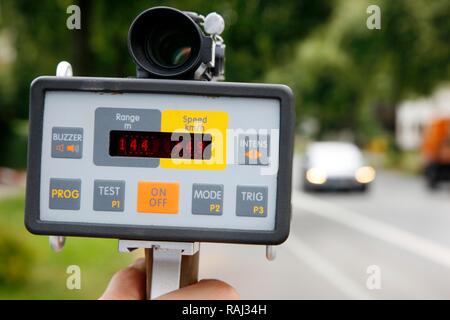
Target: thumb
[{"x": 127, "y": 284}]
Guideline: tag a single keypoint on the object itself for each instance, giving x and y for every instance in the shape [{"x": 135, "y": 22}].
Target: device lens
[
  {"x": 169, "y": 48},
  {"x": 166, "y": 43}
]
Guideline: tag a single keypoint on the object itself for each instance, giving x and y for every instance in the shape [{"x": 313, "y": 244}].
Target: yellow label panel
[{"x": 214, "y": 123}]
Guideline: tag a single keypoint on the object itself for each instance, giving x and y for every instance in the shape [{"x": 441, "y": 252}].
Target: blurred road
[{"x": 399, "y": 227}]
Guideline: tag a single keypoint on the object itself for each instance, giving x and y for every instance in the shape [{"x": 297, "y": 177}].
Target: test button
[
  {"x": 109, "y": 195},
  {"x": 158, "y": 197}
]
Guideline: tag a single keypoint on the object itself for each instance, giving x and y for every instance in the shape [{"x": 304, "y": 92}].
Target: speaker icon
[
  {"x": 73, "y": 148},
  {"x": 60, "y": 147}
]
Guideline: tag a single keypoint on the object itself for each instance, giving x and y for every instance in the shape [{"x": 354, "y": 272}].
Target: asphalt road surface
[{"x": 391, "y": 243}]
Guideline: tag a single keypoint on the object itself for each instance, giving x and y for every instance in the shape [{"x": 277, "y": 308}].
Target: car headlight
[
  {"x": 365, "y": 174},
  {"x": 316, "y": 176}
]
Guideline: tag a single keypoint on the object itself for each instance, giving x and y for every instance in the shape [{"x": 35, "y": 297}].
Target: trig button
[
  {"x": 207, "y": 199},
  {"x": 67, "y": 142},
  {"x": 109, "y": 195},
  {"x": 251, "y": 201},
  {"x": 158, "y": 197},
  {"x": 65, "y": 194}
]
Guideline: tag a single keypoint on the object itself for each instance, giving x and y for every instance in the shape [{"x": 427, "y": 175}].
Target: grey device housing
[{"x": 159, "y": 233}]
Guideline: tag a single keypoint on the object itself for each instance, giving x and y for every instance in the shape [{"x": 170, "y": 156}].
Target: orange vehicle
[{"x": 436, "y": 151}]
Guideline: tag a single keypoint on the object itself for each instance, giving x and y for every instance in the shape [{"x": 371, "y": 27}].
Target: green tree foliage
[
  {"x": 342, "y": 73},
  {"x": 347, "y": 76}
]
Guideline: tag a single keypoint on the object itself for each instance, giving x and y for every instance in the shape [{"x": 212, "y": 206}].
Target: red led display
[{"x": 164, "y": 145}]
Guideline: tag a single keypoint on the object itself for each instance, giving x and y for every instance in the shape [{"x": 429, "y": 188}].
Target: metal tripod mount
[{"x": 170, "y": 265}]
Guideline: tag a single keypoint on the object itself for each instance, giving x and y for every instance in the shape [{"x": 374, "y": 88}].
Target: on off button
[{"x": 158, "y": 197}]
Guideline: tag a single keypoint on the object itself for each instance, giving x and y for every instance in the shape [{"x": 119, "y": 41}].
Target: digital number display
[{"x": 164, "y": 145}]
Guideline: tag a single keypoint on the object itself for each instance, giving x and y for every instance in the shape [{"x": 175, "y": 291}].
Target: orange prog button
[{"x": 158, "y": 197}]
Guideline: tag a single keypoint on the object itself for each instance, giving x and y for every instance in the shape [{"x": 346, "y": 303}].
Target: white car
[{"x": 335, "y": 166}]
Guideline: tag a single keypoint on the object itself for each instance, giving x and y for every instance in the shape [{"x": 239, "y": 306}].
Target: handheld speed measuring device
[{"x": 160, "y": 160}]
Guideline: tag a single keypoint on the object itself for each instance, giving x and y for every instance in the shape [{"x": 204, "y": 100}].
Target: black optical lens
[
  {"x": 166, "y": 43},
  {"x": 169, "y": 48}
]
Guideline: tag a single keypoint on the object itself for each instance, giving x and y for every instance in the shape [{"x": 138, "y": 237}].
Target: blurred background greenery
[
  {"x": 346, "y": 78},
  {"x": 30, "y": 270}
]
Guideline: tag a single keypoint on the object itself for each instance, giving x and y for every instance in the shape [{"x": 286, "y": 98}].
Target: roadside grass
[
  {"x": 31, "y": 270},
  {"x": 409, "y": 162}
]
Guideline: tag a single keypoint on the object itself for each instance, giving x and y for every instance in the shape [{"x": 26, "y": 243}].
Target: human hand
[{"x": 129, "y": 284}]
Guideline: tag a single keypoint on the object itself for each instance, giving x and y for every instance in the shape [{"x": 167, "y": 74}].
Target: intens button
[
  {"x": 158, "y": 197},
  {"x": 253, "y": 149}
]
